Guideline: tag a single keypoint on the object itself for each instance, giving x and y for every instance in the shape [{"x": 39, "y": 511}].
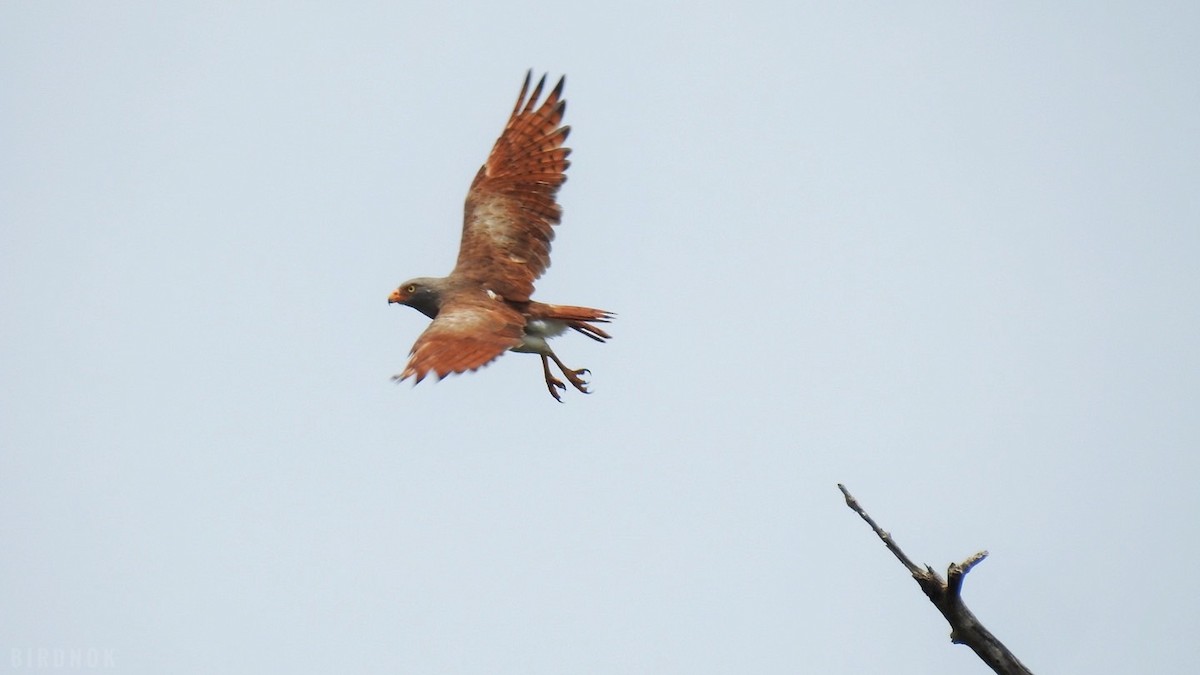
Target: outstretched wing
[
  {"x": 510, "y": 210},
  {"x": 470, "y": 331}
]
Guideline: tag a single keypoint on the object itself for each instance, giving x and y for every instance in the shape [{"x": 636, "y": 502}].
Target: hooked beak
[{"x": 394, "y": 297}]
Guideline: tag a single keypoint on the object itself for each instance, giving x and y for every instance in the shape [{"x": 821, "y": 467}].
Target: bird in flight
[{"x": 483, "y": 308}]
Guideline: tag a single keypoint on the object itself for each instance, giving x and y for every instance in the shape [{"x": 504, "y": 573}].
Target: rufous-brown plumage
[{"x": 484, "y": 307}]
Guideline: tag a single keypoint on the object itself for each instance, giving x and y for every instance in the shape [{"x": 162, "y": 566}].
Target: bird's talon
[
  {"x": 576, "y": 379},
  {"x": 554, "y": 384}
]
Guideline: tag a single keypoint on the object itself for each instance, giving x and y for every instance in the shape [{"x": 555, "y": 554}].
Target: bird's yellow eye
[{"x": 412, "y": 288}]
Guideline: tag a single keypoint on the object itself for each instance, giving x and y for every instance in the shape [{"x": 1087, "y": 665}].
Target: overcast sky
[{"x": 944, "y": 254}]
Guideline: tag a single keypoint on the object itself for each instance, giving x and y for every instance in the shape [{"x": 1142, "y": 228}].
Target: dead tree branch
[{"x": 965, "y": 629}]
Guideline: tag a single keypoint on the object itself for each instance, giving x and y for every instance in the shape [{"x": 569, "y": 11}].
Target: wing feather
[
  {"x": 511, "y": 209},
  {"x": 470, "y": 331}
]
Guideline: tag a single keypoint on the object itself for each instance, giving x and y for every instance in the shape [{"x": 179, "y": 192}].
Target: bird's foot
[
  {"x": 555, "y": 385},
  {"x": 575, "y": 377}
]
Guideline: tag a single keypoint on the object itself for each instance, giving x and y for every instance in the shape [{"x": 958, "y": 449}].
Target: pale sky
[{"x": 944, "y": 254}]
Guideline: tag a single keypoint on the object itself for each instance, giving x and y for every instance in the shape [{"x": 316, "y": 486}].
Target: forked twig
[{"x": 946, "y": 595}]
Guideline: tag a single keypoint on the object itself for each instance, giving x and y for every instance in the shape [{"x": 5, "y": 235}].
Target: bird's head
[{"x": 423, "y": 295}]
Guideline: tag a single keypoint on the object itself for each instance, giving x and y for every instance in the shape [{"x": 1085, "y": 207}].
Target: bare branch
[
  {"x": 887, "y": 538},
  {"x": 946, "y": 595}
]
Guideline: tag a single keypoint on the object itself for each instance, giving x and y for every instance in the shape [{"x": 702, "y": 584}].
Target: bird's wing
[
  {"x": 470, "y": 331},
  {"x": 510, "y": 209}
]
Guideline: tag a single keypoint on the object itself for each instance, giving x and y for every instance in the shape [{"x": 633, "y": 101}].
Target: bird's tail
[{"x": 579, "y": 318}]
